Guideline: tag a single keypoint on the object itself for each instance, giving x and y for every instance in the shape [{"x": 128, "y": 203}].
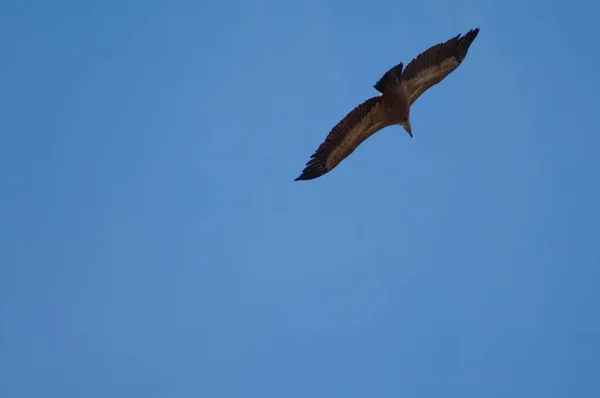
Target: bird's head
[{"x": 406, "y": 124}]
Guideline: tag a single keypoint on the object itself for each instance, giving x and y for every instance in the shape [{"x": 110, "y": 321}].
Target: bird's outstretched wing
[
  {"x": 433, "y": 65},
  {"x": 358, "y": 125}
]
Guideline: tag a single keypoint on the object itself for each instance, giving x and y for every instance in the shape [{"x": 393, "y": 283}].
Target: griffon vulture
[{"x": 399, "y": 90}]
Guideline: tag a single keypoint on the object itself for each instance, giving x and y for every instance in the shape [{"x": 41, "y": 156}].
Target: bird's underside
[{"x": 399, "y": 88}]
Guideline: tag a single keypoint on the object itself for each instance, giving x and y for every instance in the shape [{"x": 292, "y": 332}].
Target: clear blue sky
[{"x": 153, "y": 242}]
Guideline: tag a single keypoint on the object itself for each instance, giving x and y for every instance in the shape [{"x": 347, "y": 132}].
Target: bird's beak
[{"x": 407, "y": 128}]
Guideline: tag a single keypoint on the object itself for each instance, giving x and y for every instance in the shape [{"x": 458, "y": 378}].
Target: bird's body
[
  {"x": 399, "y": 89},
  {"x": 396, "y": 104}
]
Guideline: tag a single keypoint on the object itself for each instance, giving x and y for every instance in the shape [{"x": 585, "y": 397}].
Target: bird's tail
[{"x": 390, "y": 78}]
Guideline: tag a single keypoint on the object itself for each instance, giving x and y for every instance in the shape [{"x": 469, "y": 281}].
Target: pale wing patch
[
  {"x": 429, "y": 77},
  {"x": 367, "y": 126}
]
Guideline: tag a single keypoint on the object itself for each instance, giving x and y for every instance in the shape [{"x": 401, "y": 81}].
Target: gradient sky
[{"x": 153, "y": 242}]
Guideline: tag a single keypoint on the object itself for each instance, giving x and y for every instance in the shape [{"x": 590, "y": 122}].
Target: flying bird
[{"x": 399, "y": 88}]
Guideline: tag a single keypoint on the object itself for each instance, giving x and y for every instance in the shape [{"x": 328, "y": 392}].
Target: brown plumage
[{"x": 399, "y": 90}]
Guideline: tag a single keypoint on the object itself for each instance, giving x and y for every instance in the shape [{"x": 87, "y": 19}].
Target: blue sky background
[{"x": 153, "y": 242}]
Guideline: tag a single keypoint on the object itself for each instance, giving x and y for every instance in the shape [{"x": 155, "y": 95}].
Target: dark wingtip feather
[
  {"x": 303, "y": 177},
  {"x": 465, "y": 42},
  {"x": 314, "y": 168}
]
